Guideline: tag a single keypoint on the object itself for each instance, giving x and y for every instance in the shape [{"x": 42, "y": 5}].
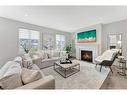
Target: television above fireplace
[{"x": 86, "y": 36}]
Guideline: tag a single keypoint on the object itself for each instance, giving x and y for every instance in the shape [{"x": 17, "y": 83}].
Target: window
[
  {"x": 60, "y": 42},
  {"x": 28, "y": 40}
]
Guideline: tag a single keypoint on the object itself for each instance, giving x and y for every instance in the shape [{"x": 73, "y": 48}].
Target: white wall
[
  {"x": 119, "y": 27},
  {"x": 9, "y": 37}
]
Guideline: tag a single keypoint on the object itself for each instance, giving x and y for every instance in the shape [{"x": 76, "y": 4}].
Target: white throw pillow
[
  {"x": 27, "y": 56},
  {"x": 29, "y": 76},
  {"x": 5, "y": 68},
  {"x": 35, "y": 56},
  {"x": 19, "y": 60},
  {"x": 40, "y": 54},
  {"x": 46, "y": 56},
  {"x": 15, "y": 68},
  {"x": 11, "y": 81},
  {"x": 49, "y": 53},
  {"x": 56, "y": 54}
]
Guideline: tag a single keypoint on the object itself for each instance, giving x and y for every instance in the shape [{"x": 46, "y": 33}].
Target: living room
[{"x": 60, "y": 47}]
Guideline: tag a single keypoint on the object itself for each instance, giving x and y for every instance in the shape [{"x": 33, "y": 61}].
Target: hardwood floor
[{"x": 114, "y": 80}]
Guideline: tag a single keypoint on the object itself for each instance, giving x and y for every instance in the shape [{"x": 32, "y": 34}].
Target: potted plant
[{"x": 68, "y": 48}]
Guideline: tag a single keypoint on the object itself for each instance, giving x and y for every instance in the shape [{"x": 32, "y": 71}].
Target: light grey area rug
[{"x": 89, "y": 77}]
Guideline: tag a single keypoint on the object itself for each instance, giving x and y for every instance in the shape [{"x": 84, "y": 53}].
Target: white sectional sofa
[
  {"x": 12, "y": 76},
  {"x": 47, "y": 58}
]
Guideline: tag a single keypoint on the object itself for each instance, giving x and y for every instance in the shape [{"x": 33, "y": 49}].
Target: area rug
[{"x": 89, "y": 77}]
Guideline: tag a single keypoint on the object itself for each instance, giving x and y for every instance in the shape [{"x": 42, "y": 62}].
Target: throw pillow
[
  {"x": 26, "y": 56},
  {"x": 28, "y": 63},
  {"x": 5, "y": 68},
  {"x": 11, "y": 82},
  {"x": 29, "y": 76},
  {"x": 56, "y": 54},
  {"x": 45, "y": 55},
  {"x": 35, "y": 56},
  {"x": 10, "y": 67},
  {"x": 18, "y": 59},
  {"x": 13, "y": 69},
  {"x": 40, "y": 54}
]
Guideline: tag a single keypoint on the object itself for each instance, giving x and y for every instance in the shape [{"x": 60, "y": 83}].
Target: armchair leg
[
  {"x": 100, "y": 68},
  {"x": 110, "y": 69}
]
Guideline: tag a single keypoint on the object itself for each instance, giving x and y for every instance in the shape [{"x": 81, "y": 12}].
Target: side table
[
  {"x": 123, "y": 69},
  {"x": 120, "y": 58}
]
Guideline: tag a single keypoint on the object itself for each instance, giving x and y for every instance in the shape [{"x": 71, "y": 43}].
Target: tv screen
[{"x": 86, "y": 36}]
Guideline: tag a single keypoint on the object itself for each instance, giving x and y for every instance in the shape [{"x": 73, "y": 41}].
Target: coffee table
[{"x": 66, "y": 70}]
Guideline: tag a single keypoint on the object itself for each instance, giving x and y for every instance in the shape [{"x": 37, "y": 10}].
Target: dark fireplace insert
[{"x": 86, "y": 56}]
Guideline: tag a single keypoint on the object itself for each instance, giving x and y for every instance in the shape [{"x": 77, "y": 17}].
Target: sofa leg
[
  {"x": 110, "y": 69},
  {"x": 100, "y": 68}
]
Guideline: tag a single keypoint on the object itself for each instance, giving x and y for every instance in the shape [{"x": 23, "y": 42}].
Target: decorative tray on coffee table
[{"x": 67, "y": 61}]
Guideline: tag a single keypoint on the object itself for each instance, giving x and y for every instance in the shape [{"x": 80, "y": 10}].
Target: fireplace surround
[{"x": 87, "y": 55}]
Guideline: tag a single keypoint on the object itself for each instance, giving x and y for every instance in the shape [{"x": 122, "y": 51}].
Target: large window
[
  {"x": 28, "y": 40},
  {"x": 60, "y": 42}
]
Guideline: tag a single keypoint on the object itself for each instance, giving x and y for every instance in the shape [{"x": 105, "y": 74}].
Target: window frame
[
  {"x": 22, "y": 52},
  {"x": 60, "y": 35}
]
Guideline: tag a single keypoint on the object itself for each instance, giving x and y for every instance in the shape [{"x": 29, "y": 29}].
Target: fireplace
[{"x": 86, "y": 55}]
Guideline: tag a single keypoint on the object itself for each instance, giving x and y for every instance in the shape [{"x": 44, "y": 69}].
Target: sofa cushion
[
  {"x": 29, "y": 76},
  {"x": 55, "y": 54},
  {"x": 10, "y": 81},
  {"x": 44, "y": 54}
]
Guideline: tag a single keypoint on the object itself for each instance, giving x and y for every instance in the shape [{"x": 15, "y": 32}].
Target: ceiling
[{"x": 65, "y": 18}]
